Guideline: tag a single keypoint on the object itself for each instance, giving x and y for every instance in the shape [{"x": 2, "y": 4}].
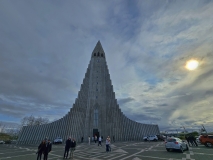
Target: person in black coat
[
  {"x": 194, "y": 140},
  {"x": 47, "y": 149},
  {"x": 191, "y": 140},
  {"x": 187, "y": 139},
  {"x": 67, "y": 147},
  {"x": 40, "y": 150}
]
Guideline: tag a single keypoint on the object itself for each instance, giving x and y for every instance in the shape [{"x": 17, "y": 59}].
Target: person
[
  {"x": 102, "y": 138},
  {"x": 194, "y": 140},
  {"x": 187, "y": 139},
  {"x": 72, "y": 148},
  {"x": 113, "y": 138},
  {"x": 89, "y": 140},
  {"x": 107, "y": 145},
  {"x": 99, "y": 141},
  {"x": 67, "y": 147},
  {"x": 95, "y": 138},
  {"x": 148, "y": 138},
  {"x": 82, "y": 139},
  {"x": 109, "y": 142},
  {"x": 191, "y": 140},
  {"x": 40, "y": 150},
  {"x": 47, "y": 149}
]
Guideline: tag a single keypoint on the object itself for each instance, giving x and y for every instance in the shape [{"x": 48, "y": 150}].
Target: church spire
[{"x": 98, "y": 50}]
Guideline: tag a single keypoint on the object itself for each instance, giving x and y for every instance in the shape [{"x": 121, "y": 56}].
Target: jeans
[
  {"x": 71, "y": 152},
  {"x": 107, "y": 148},
  {"x": 66, "y": 152},
  {"x": 39, "y": 156}
]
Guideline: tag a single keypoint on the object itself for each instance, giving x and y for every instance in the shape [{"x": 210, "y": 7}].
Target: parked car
[
  {"x": 2, "y": 142},
  {"x": 7, "y": 141},
  {"x": 174, "y": 143},
  {"x": 57, "y": 140},
  {"x": 150, "y": 138},
  {"x": 161, "y": 137},
  {"x": 207, "y": 140}
]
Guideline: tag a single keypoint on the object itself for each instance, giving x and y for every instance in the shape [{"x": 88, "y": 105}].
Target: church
[{"x": 95, "y": 111}]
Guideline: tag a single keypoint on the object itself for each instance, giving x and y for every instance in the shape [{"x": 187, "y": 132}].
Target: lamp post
[{"x": 184, "y": 129}]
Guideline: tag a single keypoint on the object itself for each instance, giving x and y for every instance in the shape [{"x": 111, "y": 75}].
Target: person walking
[
  {"x": 72, "y": 149},
  {"x": 67, "y": 147},
  {"x": 191, "y": 140},
  {"x": 47, "y": 149},
  {"x": 99, "y": 141},
  {"x": 82, "y": 139},
  {"x": 107, "y": 145},
  {"x": 187, "y": 139},
  {"x": 89, "y": 140},
  {"x": 194, "y": 140},
  {"x": 109, "y": 142},
  {"x": 40, "y": 150}
]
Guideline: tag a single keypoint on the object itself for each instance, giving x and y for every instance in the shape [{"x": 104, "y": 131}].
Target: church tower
[{"x": 95, "y": 111}]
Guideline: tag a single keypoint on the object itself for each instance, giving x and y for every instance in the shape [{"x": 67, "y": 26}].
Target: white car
[
  {"x": 2, "y": 142},
  {"x": 150, "y": 138},
  {"x": 57, "y": 140},
  {"x": 174, "y": 143}
]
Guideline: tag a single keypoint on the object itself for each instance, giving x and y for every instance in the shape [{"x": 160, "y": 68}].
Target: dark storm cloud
[
  {"x": 209, "y": 93},
  {"x": 143, "y": 117},
  {"x": 164, "y": 105},
  {"x": 14, "y": 110},
  {"x": 125, "y": 100}
]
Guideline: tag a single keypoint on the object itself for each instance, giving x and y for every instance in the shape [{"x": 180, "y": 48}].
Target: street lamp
[{"x": 184, "y": 129}]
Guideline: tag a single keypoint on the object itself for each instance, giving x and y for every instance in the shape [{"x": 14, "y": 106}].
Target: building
[{"x": 95, "y": 111}]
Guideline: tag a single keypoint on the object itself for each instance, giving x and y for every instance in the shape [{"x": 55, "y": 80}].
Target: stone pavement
[{"x": 120, "y": 151}]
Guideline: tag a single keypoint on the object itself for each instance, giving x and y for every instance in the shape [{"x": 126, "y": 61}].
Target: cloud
[{"x": 44, "y": 55}]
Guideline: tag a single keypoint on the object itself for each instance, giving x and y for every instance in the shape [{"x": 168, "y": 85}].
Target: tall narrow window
[
  {"x": 98, "y": 54},
  {"x": 96, "y": 118},
  {"x": 94, "y": 54}
]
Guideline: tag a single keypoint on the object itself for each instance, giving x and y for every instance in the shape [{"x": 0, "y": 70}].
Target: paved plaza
[{"x": 120, "y": 151}]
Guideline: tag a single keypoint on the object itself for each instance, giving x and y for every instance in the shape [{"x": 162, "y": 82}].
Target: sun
[{"x": 192, "y": 64}]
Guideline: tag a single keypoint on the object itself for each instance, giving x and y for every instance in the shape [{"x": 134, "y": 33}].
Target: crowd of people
[{"x": 45, "y": 147}]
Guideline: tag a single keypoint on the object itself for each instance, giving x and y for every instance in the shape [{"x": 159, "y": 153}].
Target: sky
[{"x": 46, "y": 46}]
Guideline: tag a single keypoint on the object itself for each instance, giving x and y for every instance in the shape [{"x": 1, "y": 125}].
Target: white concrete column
[
  {"x": 33, "y": 133},
  {"x": 64, "y": 128},
  {"x": 42, "y": 135},
  {"x": 28, "y": 135},
  {"x": 70, "y": 122},
  {"x": 22, "y": 135},
  {"x": 55, "y": 129}
]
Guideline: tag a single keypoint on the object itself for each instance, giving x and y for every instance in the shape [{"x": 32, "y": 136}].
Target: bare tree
[
  {"x": 2, "y": 127},
  {"x": 31, "y": 121}
]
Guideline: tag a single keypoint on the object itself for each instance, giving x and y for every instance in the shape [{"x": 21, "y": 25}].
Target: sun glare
[{"x": 192, "y": 64}]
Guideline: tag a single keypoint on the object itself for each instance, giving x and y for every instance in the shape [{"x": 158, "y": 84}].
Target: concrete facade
[{"x": 95, "y": 111}]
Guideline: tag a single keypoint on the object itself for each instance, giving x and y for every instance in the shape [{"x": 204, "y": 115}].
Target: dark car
[{"x": 161, "y": 137}]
